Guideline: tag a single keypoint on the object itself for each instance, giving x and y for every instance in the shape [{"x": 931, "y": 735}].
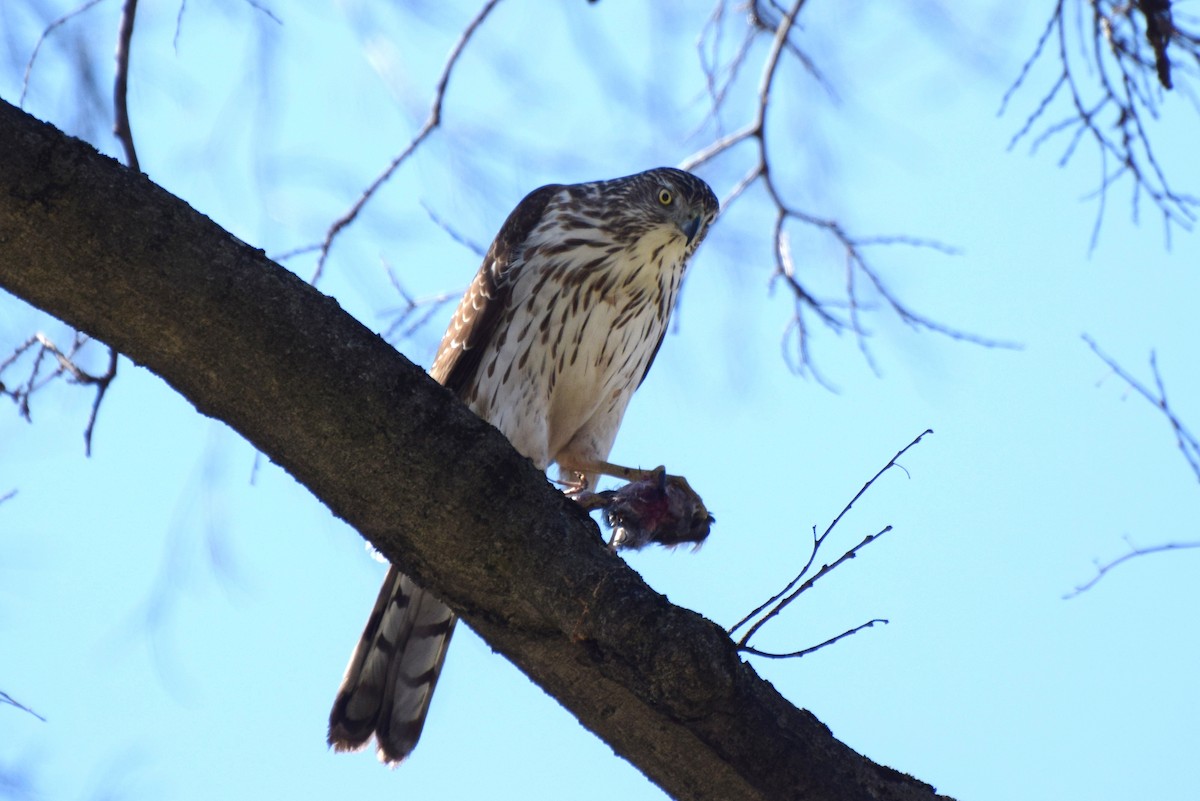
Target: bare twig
[
  {"x": 101, "y": 382},
  {"x": 428, "y": 127},
  {"x": 422, "y": 309},
  {"x": 824, "y": 570},
  {"x": 454, "y": 233},
  {"x": 779, "y": 23},
  {"x": 806, "y": 651},
  {"x": 1109, "y": 90},
  {"x": 780, "y": 600},
  {"x": 49, "y": 29},
  {"x": 5, "y": 698},
  {"x": 41, "y": 346},
  {"x": 1188, "y": 445},
  {"x": 1134, "y": 552},
  {"x": 121, "y": 128}
]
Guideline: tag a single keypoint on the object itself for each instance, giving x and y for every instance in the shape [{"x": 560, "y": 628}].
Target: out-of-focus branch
[
  {"x": 46, "y": 32},
  {"x": 1188, "y": 445},
  {"x": 1102, "y": 568},
  {"x": 415, "y": 312},
  {"x": 428, "y": 127},
  {"x": 121, "y": 127},
  {"x": 779, "y": 22},
  {"x": 5, "y": 698},
  {"x": 67, "y": 366},
  {"x": 1107, "y": 79}
]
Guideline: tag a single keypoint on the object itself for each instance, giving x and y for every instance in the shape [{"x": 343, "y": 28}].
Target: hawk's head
[{"x": 663, "y": 202}]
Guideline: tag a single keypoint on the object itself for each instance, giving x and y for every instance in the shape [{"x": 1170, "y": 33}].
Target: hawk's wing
[
  {"x": 653, "y": 353},
  {"x": 474, "y": 322}
]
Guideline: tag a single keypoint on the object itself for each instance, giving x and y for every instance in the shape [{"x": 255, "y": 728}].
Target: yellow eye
[{"x": 665, "y": 197}]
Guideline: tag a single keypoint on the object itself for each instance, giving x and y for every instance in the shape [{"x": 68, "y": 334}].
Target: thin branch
[
  {"x": 121, "y": 128},
  {"x": 262, "y": 9},
  {"x": 428, "y": 127},
  {"x": 1134, "y": 552},
  {"x": 825, "y": 570},
  {"x": 41, "y": 346},
  {"x": 796, "y": 336},
  {"x": 454, "y": 233},
  {"x": 782, "y": 599},
  {"x": 427, "y": 306},
  {"x": 1112, "y": 89},
  {"x": 49, "y": 29},
  {"x": 102, "y": 383},
  {"x": 1188, "y": 445},
  {"x": 5, "y": 698},
  {"x": 806, "y": 651}
]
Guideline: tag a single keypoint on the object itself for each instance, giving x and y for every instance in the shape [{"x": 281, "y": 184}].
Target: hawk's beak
[{"x": 692, "y": 227}]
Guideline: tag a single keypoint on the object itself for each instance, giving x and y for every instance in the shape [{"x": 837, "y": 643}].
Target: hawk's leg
[
  {"x": 577, "y": 479},
  {"x": 582, "y": 469}
]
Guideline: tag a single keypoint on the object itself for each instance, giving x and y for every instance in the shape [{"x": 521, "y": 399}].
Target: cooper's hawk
[{"x": 549, "y": 343}]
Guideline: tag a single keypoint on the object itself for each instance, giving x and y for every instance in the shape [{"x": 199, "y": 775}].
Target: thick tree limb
[{"x": 399, "y": 458}]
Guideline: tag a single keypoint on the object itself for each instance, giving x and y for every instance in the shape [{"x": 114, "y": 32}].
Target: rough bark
[{"x": 395, "y": 455}]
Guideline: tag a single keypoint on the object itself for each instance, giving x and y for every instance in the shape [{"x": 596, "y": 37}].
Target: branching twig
[
  {"x": 857, "y": 264},
  {"x": 1112, "y": 95},
  {"x": 428, "y": 127},
  {"x": 1189, "y": 446},
  {"x": 1134, "y": 551},
  {"x": 780, "y": 600},
  {"x": 426, "y": 306},
  {"x": 41, "y": 346}
]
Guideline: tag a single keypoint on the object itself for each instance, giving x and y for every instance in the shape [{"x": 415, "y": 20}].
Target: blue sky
[{"x": 181, "y": 617}]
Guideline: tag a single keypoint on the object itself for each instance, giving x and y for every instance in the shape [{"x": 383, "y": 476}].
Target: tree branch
[
  {"x": 1188, "y": 445},
  {"x": 399, "y": 458},
  {"x": 431, "y": 123},
  {"x": 5, "y": 698},
  {"x": 1105, "y": 79},
  {"x": 779, "y": 23},
  {"x": 1133, "y": 553},
  {"x": 121, "y": 126}
]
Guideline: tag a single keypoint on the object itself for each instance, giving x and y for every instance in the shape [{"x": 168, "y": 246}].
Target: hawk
[{"x": 556, "y": 331}]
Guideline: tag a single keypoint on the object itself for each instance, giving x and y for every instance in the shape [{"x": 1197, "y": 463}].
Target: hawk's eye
[{"x": 665, "y": 197}]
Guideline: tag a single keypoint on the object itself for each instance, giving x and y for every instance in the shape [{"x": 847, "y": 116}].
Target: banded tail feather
[{"x": 391, "y": 676}]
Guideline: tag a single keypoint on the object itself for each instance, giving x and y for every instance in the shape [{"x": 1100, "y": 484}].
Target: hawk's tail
[{"x": 390, "y": 679}]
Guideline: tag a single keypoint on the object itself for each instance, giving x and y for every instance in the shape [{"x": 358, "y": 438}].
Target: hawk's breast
[{"x": 584, "y": 318}]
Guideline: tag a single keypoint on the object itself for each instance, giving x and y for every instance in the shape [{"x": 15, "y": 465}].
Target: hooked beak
[{"x": 692, "y": 227}]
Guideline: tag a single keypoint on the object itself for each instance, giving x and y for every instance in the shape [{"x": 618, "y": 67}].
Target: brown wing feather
[{"x": 474, "y": 321}]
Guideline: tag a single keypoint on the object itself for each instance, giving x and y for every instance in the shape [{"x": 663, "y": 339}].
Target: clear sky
[{"x": 180, "y": 613}]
